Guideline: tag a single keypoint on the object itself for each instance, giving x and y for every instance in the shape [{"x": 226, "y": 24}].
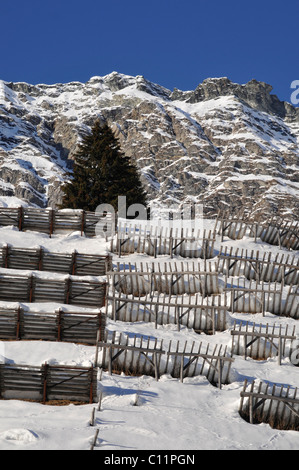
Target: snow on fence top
[{"x": 53, "y": 220}]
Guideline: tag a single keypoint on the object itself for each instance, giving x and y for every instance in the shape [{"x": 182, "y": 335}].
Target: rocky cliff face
[{"x": 223, "y": 144}]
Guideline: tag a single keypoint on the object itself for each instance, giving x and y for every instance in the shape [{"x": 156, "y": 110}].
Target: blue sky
[{"x": 170, "y": 42}]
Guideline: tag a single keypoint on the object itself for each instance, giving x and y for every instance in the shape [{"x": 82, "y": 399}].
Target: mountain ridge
[{"x": 223, "y": 145}]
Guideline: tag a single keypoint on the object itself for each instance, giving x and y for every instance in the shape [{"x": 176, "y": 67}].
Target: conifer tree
[{"x": 101, "y": 173}]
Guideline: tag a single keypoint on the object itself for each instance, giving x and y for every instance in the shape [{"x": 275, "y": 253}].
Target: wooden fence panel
[
  {"x": 70, "y": 290},
  {"x": 21, "y": 381},
  {"x": 52, "y": 221},
  {"x": 276, "y": 405},
  {"x": 260, "y": 267},
  {"x": 212, "y": 362},
  {"x": 146, "y": 278},
  {"x": 261, "y": 341},
  {"x": 10, "y": 217},
  {"x": 9, "y": 323},
  {"x": 88, "y": 293},
  {"x": 15, "y": 288},
  {"x": 193, "y": 312},
  {"x": 75, "y": 327},
  {"x": 48, "y": 382},
  {"x": 261, "y": 297},
  {"x": 71, "y": 383},
  {"x": 154, "y": 242},
  {"x": 140, "y": 355},
  {"x": 39, "y": 259},
  {"x": 283, "y": 233},
  {"x": 37, "y": 220}
]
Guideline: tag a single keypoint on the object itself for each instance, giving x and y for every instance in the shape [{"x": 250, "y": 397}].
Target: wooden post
[
  {"x": 171, "y": 244},
  {"x": 279, "y": 350},
  {"x": 74, "y": 259},
  {"x": 20, "y": 218},
  {"x": 91, "y": 385},
  {"x": 219, "y": 373},
  {"x": 177, "y": 316},
  {"x": 45, "y": 383},
  {"x": 97, "y": 349},
  {"x": 67, "y": 290},
  {"x": 18, "y": 323},
  {"x": 94, "y": 440},
  {"x": 156, "y": 366},
  {"x": 82, "y": 222},
  {"x": 30, "y": 279},
  {"x": 51, "y": 222},
  {"x": 110, "y": 359},
  {"x": 40, "y": 258},
  {"x": 92, "y": 417},
  {"x": 59, "y": 324},
  {"x": 182, "y": 369},
  {"x": 251, "y": 409},
  {"x": 5, "y": 251},
  {"x": 100, "y": 401}
]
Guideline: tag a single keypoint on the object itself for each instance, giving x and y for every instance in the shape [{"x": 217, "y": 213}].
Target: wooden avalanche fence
[
  {"x": 282, "y": 233},
  {"x": 203, "y": 315},
  {"x": 144, "y": 355},
  {"x": 163, "y": 241},
  {"x": 276, "y": 405},
  {"x": 240, "y": 295},
  {"x": 275, "y": 231},
  {"x": 65, "y": 290},
  {"x": 75, "y": 327},
  {"x": 262, "y": 297},
  {"x": 48, "y": 382},
  {"x": 261, "y": 341},
  {"x": 39, "y": 259},
  {"x": 266, "y": 267},
  {"x": 53, "y": 221},
  {"x": 142, "y": 279}
]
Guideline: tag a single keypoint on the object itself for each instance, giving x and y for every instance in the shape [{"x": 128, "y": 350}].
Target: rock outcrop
[{"x": 223, "y": 145}]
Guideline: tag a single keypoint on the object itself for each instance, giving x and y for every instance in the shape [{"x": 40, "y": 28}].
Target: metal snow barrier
[
  {"x": 273, "y": 404},
  {"x": 163, "y": 241},
  {"x": 48, "y": 382}
]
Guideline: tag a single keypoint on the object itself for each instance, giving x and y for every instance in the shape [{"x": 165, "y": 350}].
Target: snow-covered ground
[{"x": 140, "y": 413}]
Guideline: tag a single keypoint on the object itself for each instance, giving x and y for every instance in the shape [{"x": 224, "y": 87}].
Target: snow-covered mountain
[{"x": 223, "y": 144}]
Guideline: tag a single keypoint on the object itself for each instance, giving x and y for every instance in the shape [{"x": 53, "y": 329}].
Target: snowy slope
[{"x": 138, "y": 413}]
